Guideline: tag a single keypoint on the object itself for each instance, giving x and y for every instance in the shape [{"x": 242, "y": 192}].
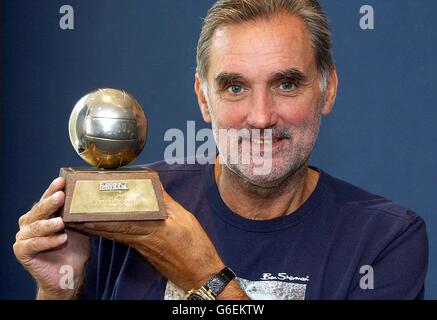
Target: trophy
[{"x": 108, "y": 129}]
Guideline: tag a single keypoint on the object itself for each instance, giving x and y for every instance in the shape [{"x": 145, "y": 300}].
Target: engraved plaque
[
  {"x": 118, "y": 195},
  {"x": 89, "y": 197}
]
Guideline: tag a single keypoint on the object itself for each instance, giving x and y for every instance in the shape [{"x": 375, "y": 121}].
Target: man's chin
[
  {"x": 264, "y": 178},
  {"x": 271, "y": 176}
]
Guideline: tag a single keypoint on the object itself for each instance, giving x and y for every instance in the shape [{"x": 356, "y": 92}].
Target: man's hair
[{"x": 228, "y": 12}]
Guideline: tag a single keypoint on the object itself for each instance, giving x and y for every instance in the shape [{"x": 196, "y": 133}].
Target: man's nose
[{"x": 261, "y": 114}]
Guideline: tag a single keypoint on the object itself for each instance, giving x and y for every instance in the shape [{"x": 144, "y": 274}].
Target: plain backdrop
[{"x": 381, "y": 135}]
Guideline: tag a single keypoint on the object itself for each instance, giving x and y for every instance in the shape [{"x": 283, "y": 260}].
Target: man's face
[{"x": 263, "y": 75}]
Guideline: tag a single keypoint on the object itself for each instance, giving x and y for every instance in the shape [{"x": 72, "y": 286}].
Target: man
[{"x": 293, "y": 232}]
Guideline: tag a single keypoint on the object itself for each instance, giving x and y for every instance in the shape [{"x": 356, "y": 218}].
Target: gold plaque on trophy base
[{"x": 112, "y": 195}]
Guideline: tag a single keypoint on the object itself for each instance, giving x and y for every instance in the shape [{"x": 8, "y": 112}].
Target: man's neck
[{"x": 263, "y": 203}]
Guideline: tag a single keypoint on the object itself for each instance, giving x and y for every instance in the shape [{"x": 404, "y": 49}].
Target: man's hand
[
  {"x": 178, "y": 247},
  {"x": 43, "y": 246}
]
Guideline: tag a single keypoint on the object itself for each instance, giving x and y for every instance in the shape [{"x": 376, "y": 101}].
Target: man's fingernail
[
  {"x": 57, "y": 196},
  {"x": 57, "y": 221},
  {"x": 56, "y": 181},
  {"x": 63, "y": 237}
]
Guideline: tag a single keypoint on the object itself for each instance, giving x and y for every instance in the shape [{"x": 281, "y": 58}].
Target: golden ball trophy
[{"x": 108, "y": 129}]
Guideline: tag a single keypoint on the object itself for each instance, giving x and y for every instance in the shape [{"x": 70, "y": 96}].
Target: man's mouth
[
  {"x": 266, "y": 141},
  {"x": 266, "y": 144}
]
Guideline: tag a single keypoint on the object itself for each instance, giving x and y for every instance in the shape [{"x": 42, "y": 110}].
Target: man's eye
[
  {"x": 287, "y": 86},
  {"x": 235, "y": 89}
]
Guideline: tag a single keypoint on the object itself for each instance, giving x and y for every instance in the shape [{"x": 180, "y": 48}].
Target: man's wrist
[
  {"x": 207, "y": 274},
  {"x": 61, "y": 294},
  {"x": 233, "y": 292},
  {"x": 221, "y": 286},
  {"x": 65, "y": 295}
]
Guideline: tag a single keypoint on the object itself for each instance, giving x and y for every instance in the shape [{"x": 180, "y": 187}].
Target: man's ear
[
  {"x": 331, "y": 93},
  {"x": 201, "y": 99}
]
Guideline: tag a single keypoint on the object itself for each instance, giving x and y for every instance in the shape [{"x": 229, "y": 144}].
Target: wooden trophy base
[{"x": 112, "y": 195}]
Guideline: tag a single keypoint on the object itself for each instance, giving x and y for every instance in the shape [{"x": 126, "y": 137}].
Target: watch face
[
  {"x": 195, "y": 296},
  {"x": 216, "y": 285}
]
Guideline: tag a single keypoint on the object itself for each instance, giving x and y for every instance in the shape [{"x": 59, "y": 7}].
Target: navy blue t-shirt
[{"x": 342, "y": 243}]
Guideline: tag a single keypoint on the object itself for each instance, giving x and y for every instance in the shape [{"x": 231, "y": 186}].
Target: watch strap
[{"x": 217, "y": 283}]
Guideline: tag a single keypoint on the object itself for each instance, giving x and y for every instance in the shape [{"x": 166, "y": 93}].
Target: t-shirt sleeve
[{"x": 399, "y": 271}]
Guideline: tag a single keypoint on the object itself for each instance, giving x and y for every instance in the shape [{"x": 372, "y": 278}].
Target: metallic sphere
[{"x": 108, "y": 128}]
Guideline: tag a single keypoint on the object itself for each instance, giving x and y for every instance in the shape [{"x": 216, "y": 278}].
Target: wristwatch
[{"x": 213, "y": 287}]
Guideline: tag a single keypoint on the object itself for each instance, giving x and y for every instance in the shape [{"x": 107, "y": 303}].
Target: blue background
[{"x": 381, "y": 136}]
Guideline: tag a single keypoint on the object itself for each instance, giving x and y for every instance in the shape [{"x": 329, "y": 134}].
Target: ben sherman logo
[
  {"x": 283, "y": 276},
  {"x": 113, "y": 186}
]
